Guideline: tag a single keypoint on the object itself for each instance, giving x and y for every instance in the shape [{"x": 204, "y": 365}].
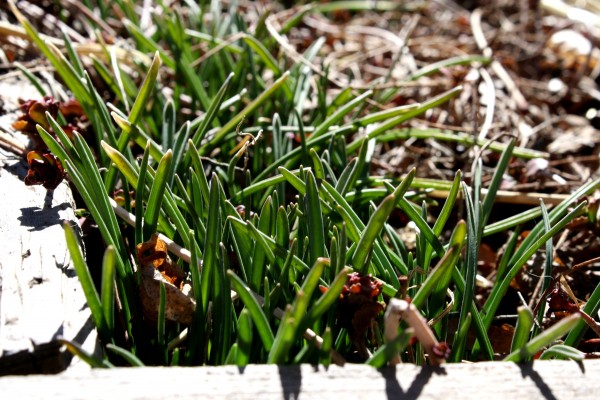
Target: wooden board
[
  {"x": 40, "y": 296},
  {"x": 498, "y": 380}
]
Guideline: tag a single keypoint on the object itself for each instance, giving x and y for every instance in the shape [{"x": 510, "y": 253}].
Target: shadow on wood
[{"x": 491, "y": 380}]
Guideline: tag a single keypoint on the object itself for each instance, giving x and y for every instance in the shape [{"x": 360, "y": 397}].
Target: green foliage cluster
[{"x": 312, "y": 212}]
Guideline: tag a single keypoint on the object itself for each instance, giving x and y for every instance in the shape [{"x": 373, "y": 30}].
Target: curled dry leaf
[
  {"x": 155, "y": 266},
  {"x": 154, "y": 251},
  {"x": 44, "y": 169},
  {"x": 34, "y": 113},
  {"x": 179, "y": 307}
]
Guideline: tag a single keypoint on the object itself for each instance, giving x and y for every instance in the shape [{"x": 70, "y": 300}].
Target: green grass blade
[
  {"x": 460, "y": 60},
  {"x": 148, "y": 43},
  {"x": 107, "y": 289},
  {"x": 286, "y": 335},
  {"x": 133, "y": 132},
  {"x": 122, "y": 164},
  {"x": 346, "y": 178},
  {"x": 301, "y": 152},
  {"x": 392, "y": 123},
  {"x": 389, "y": 350},
  {"x": 156, "y": 197},
  {"x": 318, "y": 166},
  {"x": 196, "y": 349},
  {"x": 554, "y": 216},
  {"x": 269, "y": 61},
  {"x": 290, "y": 324},
  {"x": 90, "y": 359},
  {"x": 128, "y": 356},
  {"x": 465, "y": 139},
  {"x": 326, "y": 301},
  {"x": 184, "y": 64},
  {"x": 200, "y": 173},
  {"x": 460, "y": 342},
  {"x": 424, "y": 228},
  {"x": 66, "y": 143},
  {"x": 31, "y": 78},
  {"x": 376, "y": 224},
  {"x": 60, "y": 63},
  {"x": 469, "y": 266},
  {"x": 326, "y": 346},
  {"x": 547, "y": 276},
  {"x": 92, "y": 181},
  {"x": 74, "y": 58},
  {"x": 561, "y": 351},
  {"x": 338, "y": 115},
  {"x": 145, "y": 91},
  {"x": 500, "y": 288},
  {"x": 511, "y": 244},
  {"x": 160, "y": 336},
  {"x": 438, "y": 280},
  {"x": 168, "y": 126},
  {"x": 100, "y": 114},
  {"x": 208, "y": 118},
  {"x": 140, "y": 192},
  {"x": 131, "y": 175},
  {"x": 354, "y": 225},
  {"x": 211, "y": 247},
  {"x": 118, "y": 79},
  {"x": 233, "y": 165},
  {"x": 87, "y": 284},
  {"x": 258, "y": 316},
  {"x": 314, "y": 216},
  {"x": 282, "y": 230},
  {"x": 522, "y": 329},
  {"x": 446, "y": 211},
  {"x": 179, "y": 150},
  {"x": 544, "y": 339},
  {"x": 386, "y": 114},
  {"x": 371, "y": 232},
  {"x": 300, "y": 305},
  {"x": 244, "y": 339},
  {"x": 512, "y": 221},
  {"x": 440, "y": 277},
  {"x": 269, "y": 243},
  {"x": 359, "y": 169},
  {"x": 591, "y": 308},
  {"x": 258, "y": 266},
  {"x": 494, "y": 186},
  {"x": 222, "y": 310}
]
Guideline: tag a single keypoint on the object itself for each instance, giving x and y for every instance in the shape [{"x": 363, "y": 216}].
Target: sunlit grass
[{"x": 273, "y": 226}]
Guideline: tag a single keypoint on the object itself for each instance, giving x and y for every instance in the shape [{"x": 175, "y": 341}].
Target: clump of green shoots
[{"x": 268, "y": 231}]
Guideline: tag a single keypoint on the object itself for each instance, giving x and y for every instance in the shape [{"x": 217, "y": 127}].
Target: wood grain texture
[
  {"x": 499, "y": 380},
  {"x": 40, "y": 295}
]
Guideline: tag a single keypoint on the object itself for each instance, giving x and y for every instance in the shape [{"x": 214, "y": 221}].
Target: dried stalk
[{"x": 402, "y": 309}]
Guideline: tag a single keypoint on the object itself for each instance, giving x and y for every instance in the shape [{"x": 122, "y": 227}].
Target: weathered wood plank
[
  {"x": 40, "y": 296},
  {"x": 543, "y": 379}
]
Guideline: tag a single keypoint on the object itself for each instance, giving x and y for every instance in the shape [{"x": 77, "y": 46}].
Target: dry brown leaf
[
  {"x": 178, "y": 307},
  {"x": 155, "y": 251},
  {"x": 155, "y": 266}
]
